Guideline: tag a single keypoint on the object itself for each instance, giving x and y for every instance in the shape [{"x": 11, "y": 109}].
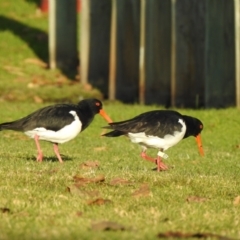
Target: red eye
[
  {"x": 97, "y": 104},
  {"x": 201, "y": 126}
]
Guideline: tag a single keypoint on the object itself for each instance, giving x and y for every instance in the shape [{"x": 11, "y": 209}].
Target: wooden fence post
[
  {"x": 220, "y": 54},
  {"x": 100, "y": 12},
  {"x": 186, "y": 58},
  {"x": 190, "y": 39},
  {"x": 142, "y": 53},
  {"x": 63, "y": 36},
  {"x": 237, "y": 50},
  {"x": 173, "y": 53},
  {"x": 52, "y": 34},
  {"x": 113, "y": 52},
  {"x": 128, "y": 27},
  {"x": 158, "y": 52},
  {"x": 84, "y": 40}
]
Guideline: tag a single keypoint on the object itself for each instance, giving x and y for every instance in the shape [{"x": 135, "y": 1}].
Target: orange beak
[
  {"x": 199, "y": 143},
  {"x": 105, "y": 116}
]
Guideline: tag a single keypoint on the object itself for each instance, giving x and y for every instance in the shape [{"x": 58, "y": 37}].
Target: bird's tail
[
  {"x": 10, "y": 126},
  {"x": 114, "y": 133}
]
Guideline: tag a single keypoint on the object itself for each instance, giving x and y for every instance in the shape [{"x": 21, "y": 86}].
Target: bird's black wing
[
  {"x": 52, "y": 118},
  {"x": 158, "y": 123}
]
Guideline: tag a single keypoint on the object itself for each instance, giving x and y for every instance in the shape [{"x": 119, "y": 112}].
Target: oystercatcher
[
  {"x": 57, "y": 123},
  {"x": 159, "y": 129}
]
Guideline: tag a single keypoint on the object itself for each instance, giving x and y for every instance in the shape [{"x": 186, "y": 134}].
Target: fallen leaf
[
  {"x": 196, "y": 199},
  {"x": 119, "y": 181},
  {"x": 143, "y": 191},
  {"x": 236, "y": 200},
  {"x": 77, "y": 190},
  {"x": 79, "y": 214},
  {"x": 107, "y": 226},
  {"x": 83, "y": 181},
  {"x": 14, "y": 70},
  {"x": 5, "y": 210},
  {"x": 32, "y": 85},
  {"x": 87, "y": 87},
  {"x": 191, "y": 235},
  {"x": 37, "y": 62},
  {"x": 37, "y": 99},
  {"x": 99, "y": 201},
  {"x": 89, "y": 164}
]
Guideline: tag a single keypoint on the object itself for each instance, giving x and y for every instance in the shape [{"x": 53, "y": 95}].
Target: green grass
[
  {"x": 41, "y": 207},
  {"x": 24, "y": 73},
  {"x": 40, "y": 200}
]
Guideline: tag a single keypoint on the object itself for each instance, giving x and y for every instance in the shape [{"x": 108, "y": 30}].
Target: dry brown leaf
[
  {"x": 119, "y": 181},
  {"x": 37, "y": 99},
  {"x": 99, "y": 201},
  {"x": 37, "y": 62},
  {"x": 5, "y": 210},
  {"x": 77, "y": 190},
  {"x": 32, "y": 85},
  {"x": 196, "y": 199},
  {"x": 143, "y": 191},
  {"x": 107, "y": 226},
  {"x": 14, "y": 70},
  {"x": 236, "y": 200},
  {"x": 87, "y": 87},
  {"x": 82, "y": 181},
  {"x": 89, "y": 164},
  {"x": 79, "y": 214}
]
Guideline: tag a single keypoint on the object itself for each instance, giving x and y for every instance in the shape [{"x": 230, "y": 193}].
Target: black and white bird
[
  {"x": 160, "y": 129},
  {"x": 58, "y": 123}
]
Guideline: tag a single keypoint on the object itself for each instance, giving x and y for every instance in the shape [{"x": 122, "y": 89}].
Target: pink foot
[
  {"x": 160, "y": 165},
  {"x": 55, "y": 148},
  {"x": 39, "y": 157}
]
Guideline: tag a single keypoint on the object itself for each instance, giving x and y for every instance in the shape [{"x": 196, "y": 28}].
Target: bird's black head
[
  {"x": 194, "y": 126},
  {"x": 95, "y": 106}
]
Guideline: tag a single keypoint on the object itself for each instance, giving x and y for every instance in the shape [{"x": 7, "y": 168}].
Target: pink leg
[
  {"x": 144, "y": 155},
  {"x": 40, "y": 154},
  {"x": 161, "y": 165},
  {"x": 158, "y": 161},
  {"x": 55, "y": 147}
]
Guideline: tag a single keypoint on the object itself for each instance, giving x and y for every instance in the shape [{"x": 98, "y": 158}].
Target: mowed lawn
[
  {"x": 105, "y": 180},
  {"x": 104, "y": 190}
]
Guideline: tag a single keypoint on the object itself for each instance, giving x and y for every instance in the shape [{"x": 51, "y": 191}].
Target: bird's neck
[{"x": 190, "y": 128}]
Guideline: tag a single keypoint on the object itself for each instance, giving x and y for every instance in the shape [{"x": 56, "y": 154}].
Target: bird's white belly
[
  {"x": 63, "y": 135},
  {"x": 157, "y": 142}
]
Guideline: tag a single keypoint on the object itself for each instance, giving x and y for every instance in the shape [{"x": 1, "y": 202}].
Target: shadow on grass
[
  {"x": 35, "y": 38},
  {"x": 37, "y": 2},
  {"x": 50, "y": 158}
]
